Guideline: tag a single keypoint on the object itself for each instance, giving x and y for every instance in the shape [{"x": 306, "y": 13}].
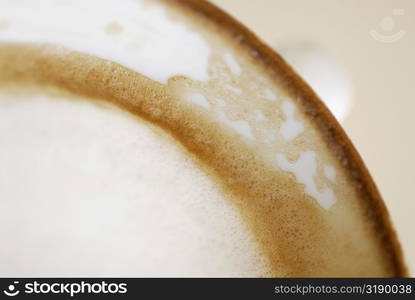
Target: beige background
[{"x": 381, "y": 122}]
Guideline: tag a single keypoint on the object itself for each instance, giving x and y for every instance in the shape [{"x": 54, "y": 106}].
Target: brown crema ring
[{"x": 316, "y": 110}]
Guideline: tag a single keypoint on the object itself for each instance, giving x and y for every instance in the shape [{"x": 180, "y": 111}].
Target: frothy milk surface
[
  {"x": 250, "y": 186},
  {"x": 111, "y": 194},
  {"x": 129, "y": 32}
]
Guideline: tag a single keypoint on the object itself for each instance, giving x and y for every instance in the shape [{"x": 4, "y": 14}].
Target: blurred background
[{"x": 363, "y": 55}]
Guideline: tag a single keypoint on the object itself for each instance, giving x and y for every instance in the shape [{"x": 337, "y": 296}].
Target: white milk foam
[
  {"x": 291, "y": 128},
  {"x": 143, "y": 37},
  {"x": 85, "y": 184},
  {"x": 330, "y": 172},
  {"x": 232, "y": 63},
  {"x": 199, "y": 99},
  {"x": 240, "y": 126},
  {"x": 304, "y": 170}
]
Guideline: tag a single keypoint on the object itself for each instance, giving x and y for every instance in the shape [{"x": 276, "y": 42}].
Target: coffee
[{"x": 167, "y": 129}]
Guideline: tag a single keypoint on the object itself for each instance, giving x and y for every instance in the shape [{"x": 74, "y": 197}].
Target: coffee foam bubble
[{"x": 254, "y": 164}]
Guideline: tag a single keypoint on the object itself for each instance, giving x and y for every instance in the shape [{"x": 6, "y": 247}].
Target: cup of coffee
[{"x": 162, "y": 138}]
